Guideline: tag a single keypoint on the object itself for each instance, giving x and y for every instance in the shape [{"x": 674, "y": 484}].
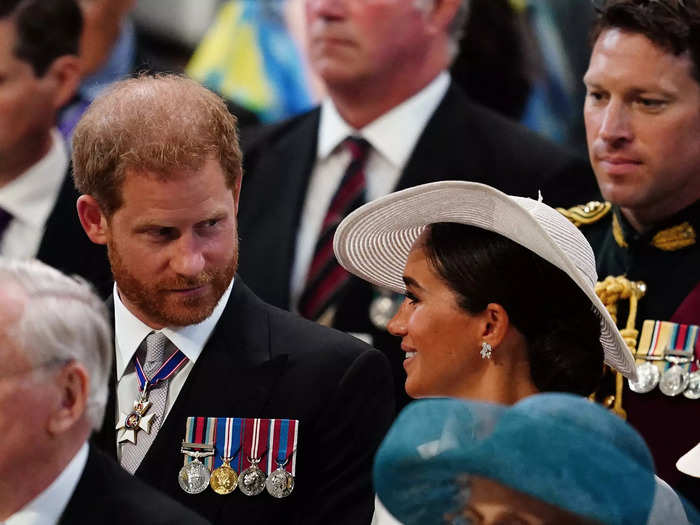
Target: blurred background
[{"x": 524, "y": 58}]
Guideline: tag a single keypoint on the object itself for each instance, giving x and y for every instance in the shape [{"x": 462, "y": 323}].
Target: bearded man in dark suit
[{"x": 158, "y": 163}]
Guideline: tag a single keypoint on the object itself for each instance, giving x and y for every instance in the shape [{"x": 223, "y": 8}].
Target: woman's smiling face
[{"x": 441, "y": 340}]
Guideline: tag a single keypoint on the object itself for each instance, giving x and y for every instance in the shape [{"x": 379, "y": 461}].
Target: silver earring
[{"x": 486, "y": 350}]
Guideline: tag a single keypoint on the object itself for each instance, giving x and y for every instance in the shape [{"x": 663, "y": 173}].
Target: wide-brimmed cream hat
[{"x": 373, "y": 242}]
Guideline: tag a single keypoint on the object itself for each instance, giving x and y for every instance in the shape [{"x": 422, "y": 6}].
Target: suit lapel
[
  {"x": 445, "y": 149},
  {"x": 106, "y": 437},
  {"x": 234, "y": 376},
  {"x": 281, "y": 175}
]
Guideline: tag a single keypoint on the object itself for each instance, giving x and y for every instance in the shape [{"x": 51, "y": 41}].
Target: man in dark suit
[
  {"x": 384, "y": 65},
  {"x": 40, "y": 70},
  {"x": 56, "y": 350},
  {"x": 158, "y": 163}
]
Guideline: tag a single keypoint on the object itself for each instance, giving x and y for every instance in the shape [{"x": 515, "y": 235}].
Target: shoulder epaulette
[{"x": 586, "y": 213}]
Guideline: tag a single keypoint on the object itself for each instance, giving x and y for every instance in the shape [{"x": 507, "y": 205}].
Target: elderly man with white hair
[{"x": 56, "y": 354}]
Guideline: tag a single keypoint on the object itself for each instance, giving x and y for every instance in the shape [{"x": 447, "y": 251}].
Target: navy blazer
[
  {"x": 265, "y": 362},
  {"x": 109, "y": 495}
]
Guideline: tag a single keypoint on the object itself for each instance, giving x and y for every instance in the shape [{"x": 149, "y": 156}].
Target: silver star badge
[{"x": 134, "y": 421}]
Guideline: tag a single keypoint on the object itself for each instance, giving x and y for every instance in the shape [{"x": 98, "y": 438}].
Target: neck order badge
[{"x": 137, "y": 419}]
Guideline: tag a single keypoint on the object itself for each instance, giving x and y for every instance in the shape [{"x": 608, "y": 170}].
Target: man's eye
[
  {"x": 650, "y": 102},
  {"x": 160, "y": 233}
]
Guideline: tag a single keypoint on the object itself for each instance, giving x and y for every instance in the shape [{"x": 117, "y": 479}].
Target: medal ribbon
[
  {"x": 167, "y": 369},
  {"x": 228, "y": 441},
  {"x": 255, "y": 436},
  {"x": 201, "y": 430},
  {"x": 673, "y": 336},
  {"x": 283, "y": 444}
]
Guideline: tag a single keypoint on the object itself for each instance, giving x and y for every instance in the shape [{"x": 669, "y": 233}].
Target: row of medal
[
  {"x": 229, "y": 446},
  {"x": 668, "y": 355}
]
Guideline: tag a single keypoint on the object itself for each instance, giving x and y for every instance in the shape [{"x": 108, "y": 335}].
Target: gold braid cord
[
  {"x": 586, "y": 213},
  {"x": 610, "y": 291}
]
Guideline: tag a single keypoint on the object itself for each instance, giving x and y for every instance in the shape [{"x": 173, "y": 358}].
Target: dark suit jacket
[
  {"x": 462, "y": 141},
  {"x": 265, "y": 362},
  {"x": 106, "y": 494},
  {"x": 65, "y": 245}
]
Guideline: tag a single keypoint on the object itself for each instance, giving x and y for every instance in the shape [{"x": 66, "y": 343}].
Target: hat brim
[{"x": 374, "y": 241}]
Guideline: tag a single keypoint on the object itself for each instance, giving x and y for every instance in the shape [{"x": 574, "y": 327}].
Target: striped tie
[{"x": 326, "y": 278}]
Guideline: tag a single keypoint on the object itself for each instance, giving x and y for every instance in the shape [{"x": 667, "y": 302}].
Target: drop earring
[{"x": 486, "y": 350}]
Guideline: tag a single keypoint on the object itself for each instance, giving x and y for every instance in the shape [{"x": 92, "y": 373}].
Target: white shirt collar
[
  {"x": 395, "y": 133},
  {"x": 130, "y": 331},
  {"x": 47, "y": 507},
  {"x": 31, "y": 196}
]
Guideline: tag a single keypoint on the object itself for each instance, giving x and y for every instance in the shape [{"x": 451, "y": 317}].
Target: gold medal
[{"x": 224, "y": 479}]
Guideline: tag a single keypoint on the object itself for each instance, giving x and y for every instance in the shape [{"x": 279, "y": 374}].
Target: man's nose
[
  {"x": 188, "y": 259},
  {"x": 616, "y": 123},
  {"x": 330, "y": 9}
]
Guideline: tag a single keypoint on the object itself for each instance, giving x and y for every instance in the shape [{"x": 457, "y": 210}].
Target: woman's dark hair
[{"x": 555, "y": 317}]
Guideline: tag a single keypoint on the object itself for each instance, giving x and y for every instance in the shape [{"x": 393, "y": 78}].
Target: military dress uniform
[{"x": 661, "y": 269}]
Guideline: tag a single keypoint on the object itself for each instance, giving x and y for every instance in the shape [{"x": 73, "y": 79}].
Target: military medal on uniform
[
  {"x": 670, "y": 347},
  {"x": 251, "y": 481},
  {"x": 194, "y": 476},
  {"x": 224, "y": 478},
  {"x": 283, "y": 450},
  {"x": 138, "y": 419}
]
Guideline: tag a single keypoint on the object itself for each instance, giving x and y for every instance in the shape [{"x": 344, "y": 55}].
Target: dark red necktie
[{"x": 326, "y": 278}]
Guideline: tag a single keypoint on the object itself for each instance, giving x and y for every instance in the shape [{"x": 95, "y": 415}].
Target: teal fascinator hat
[{"x": 557, "y": 448}]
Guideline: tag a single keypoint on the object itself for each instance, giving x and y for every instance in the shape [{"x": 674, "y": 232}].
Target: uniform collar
[{"x": 675, "y": 233}]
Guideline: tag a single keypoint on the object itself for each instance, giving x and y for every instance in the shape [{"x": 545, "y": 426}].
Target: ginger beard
[{"x": 160, "y": 303}]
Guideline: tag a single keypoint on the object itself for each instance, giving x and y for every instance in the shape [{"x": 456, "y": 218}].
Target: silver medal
[
  {"x": 382, "y": 309},
  {"x": 194, "y": 477},
  {"x": 693, "y": 389},
  {"x": 251, "y": 481},
  {"x": 280, "y": 483},
  {"x": 674, "y": 380},
  {"x": 647, "y": 378}
]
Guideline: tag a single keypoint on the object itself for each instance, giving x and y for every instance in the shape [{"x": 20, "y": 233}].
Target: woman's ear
[{"x": 496, "y": 324}]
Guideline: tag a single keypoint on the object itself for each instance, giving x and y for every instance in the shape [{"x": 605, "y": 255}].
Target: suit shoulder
[
  {"x": 253, "y": 138},
  {"x": 586, "y": 214},
  {"x": 106, "y": 491}
]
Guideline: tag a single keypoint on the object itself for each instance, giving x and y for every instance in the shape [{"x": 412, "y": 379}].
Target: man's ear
[
  {"x": 237, "y": 193},
  {"x": 73, "y": 384},
  {"x": 441, "y": 14},
  {"x": 64, "y": 78},
  {"x": 92, "y": 219}
]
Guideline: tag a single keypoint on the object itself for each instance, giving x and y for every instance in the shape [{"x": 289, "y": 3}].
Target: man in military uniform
[{"x": 642, "y": 115}]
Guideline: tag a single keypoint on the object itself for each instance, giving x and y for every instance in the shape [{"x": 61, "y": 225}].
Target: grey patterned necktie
[{"x": 156, "y": 346}]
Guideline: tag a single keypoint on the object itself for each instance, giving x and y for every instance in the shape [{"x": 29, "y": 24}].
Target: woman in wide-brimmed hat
[{"x": 499, "y": 292}]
